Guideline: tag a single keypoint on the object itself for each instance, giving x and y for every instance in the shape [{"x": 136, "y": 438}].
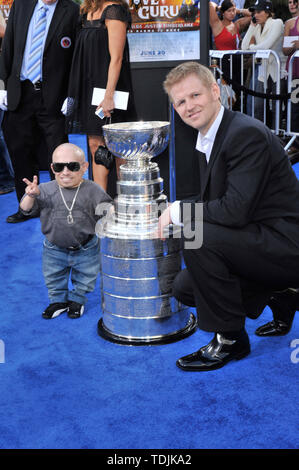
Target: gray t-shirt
[{"x": 53, "y": 213}]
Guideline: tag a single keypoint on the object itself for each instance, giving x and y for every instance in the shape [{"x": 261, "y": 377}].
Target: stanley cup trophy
[{"x": 137, "y": 268}]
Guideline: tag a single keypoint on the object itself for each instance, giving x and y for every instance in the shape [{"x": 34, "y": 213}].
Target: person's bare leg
[{"x": 119, "y": 162}]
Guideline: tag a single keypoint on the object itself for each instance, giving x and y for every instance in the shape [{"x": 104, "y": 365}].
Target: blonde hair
[{"x": 185, "y": 69}]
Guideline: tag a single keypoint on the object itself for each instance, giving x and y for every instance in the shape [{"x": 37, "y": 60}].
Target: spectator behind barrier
[
  {"x": 225, "y": 30},
  {"x": 293, "y": 6},
  {"x": 264, "y": 33}
]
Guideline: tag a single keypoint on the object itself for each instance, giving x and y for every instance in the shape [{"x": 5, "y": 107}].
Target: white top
[{"x": 270, "y": 37}]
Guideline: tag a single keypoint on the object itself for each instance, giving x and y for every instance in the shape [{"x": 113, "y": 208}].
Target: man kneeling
[{"x": 250, "y": 220}]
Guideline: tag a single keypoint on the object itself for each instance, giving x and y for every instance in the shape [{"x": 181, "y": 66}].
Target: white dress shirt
[
  {"x": 204, "y": 144},
  {"x": 35, "y": 16}
]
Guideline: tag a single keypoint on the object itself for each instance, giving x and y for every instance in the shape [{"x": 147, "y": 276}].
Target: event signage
[
  {"x": 164, "y": 30},
  {"x": 161, "y": 30}
]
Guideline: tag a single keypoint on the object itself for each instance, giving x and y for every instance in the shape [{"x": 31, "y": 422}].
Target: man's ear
[{"x": 215, "y": 90}]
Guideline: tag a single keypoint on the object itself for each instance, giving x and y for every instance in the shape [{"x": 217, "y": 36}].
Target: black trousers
[
  {"x": 23, "y": 130},
  {"x": 233, "y": 274}
]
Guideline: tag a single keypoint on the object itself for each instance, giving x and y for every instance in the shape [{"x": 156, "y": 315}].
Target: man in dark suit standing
[
  {"x": 247, "y": 207},
  {"x": 35, "y": 63}
]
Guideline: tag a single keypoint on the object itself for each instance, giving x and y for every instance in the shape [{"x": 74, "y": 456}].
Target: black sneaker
[
  {"x": 75, "y": 309},
  {"x": 53, "y": 310}
]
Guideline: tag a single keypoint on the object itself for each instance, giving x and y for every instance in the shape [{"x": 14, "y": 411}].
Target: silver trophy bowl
[
  {"x": 137, "y": 268},
  {"x": 137, "y": 141}
]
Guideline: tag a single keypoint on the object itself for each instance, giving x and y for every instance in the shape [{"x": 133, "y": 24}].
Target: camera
[{"x": 253, "y": 18}]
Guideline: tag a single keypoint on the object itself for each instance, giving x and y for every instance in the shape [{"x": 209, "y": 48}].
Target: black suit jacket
[
  {"x": 249, "y": 179},
  {"x": 56, "y": 59}
]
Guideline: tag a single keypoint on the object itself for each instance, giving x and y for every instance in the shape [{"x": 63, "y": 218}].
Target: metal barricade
[
  {"x": 261, "y": 56},
  {"x": 292, "y": 83}
]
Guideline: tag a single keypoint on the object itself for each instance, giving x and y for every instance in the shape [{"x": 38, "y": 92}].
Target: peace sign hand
[{"x": 32, "y": 189}]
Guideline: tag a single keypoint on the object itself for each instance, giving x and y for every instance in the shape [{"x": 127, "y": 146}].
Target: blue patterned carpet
[{"x": 64, "y": 387}]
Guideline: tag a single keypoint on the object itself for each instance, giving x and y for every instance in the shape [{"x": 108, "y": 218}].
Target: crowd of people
[
  {"x": 54, "y": 55},
  {"x": 259, "y": 28}
]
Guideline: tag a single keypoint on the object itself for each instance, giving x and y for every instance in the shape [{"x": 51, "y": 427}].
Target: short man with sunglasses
[{"x": 68, "y": 217}]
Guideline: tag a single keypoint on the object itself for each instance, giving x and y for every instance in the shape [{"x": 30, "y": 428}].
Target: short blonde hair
[{"x": 185, "y": 69}]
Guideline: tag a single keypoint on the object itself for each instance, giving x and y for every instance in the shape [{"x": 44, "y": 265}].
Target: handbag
[{"x": 103, "y": 156}]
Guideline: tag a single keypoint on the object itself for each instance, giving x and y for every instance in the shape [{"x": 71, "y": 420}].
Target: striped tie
[{"x": 35, "y": 54}]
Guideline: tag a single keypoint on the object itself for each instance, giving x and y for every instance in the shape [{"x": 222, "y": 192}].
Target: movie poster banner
[
  {"x": 5, "y": 6},
  {"x": 164, "y": 30}
]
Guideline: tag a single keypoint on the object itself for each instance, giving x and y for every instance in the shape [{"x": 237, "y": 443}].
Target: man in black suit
[
  {"x": 36, "y": 81},
  {"x": 247, "y": 207}
]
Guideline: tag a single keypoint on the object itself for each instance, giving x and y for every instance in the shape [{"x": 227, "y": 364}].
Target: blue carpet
[{"x": 64, "y": 387}]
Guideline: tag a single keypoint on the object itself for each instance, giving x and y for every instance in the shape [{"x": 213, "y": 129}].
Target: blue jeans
[
  {"x": 81, "y": 267},
  {"x": 6, "y": 170}
]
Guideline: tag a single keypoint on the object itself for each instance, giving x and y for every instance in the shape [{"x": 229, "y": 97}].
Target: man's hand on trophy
[
  {"x": 64, "y": 107},
  {"x": 163, "y": 222}
]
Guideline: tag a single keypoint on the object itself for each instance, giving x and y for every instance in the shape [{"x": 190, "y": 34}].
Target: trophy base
[{"x": 148, "y": 340}]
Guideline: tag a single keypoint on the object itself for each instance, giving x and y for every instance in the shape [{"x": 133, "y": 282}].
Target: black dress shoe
[
  {"x": 216, "y": 354},
  {"x": 20, "y": 217},
  {"x": 7, "y": 189},
  {"x": 274, "y": 328},
  {"x": 284, "y": 306}
]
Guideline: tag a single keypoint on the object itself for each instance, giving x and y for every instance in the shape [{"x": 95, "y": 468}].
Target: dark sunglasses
[{"x": 72, "y": 166}]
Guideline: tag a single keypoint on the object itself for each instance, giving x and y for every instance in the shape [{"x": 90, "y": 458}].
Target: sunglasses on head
[{"x": 72, "y": 166}]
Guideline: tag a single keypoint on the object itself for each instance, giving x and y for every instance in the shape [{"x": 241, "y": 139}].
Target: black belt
[
  {"x": 77, "y": 247},
  {"x": 37, "y": 86}
]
